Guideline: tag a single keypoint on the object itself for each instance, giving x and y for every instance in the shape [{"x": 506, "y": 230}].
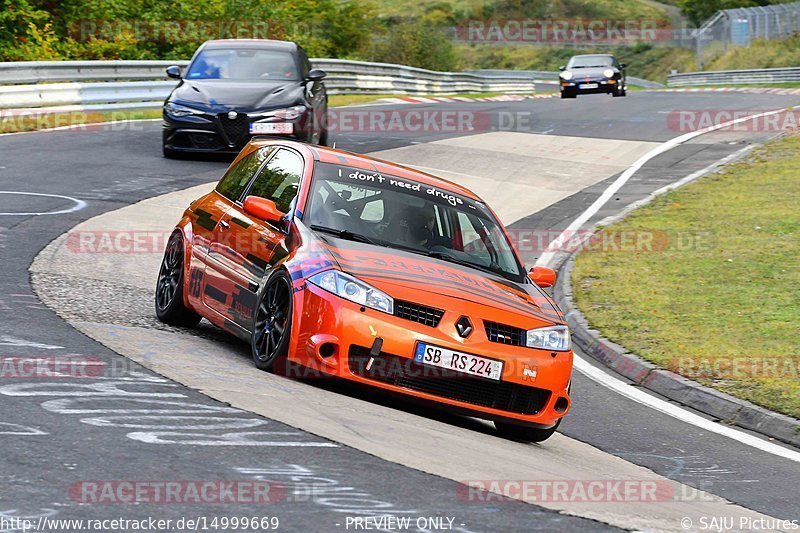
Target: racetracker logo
[
  {"x": 136, "y": 492},
  {"x": 568, "y": 491},
  {"x": 433, "y": 121},
  {"x": 563, "y": 31},
  {"x": 51, "y": 367},
  {"x": 744, "y": 121},
  {"x": 181, "y": 31}
]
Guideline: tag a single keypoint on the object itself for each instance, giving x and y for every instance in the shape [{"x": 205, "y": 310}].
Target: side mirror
[
  {"x": 543, "y": 277},
  {"x": 562, "y": 69},
  {"x": 174, "y": 72},
  {"x": 262, "y": 208},
  {"x": 622, "y": 65},
  {"x": 316, "y": 75}
]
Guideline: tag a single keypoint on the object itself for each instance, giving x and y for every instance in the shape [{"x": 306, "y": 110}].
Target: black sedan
[
  {"x": 234, "y": 90},
  {"x": 592, "y": 74}
]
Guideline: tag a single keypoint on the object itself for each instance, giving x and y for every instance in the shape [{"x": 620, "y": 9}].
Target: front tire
[
  {"x": 272, "y": 324},
  {"x": 565, "y": 95},
  {"x": 525, "y": 433},
  {"x": 170, "y": 308}
]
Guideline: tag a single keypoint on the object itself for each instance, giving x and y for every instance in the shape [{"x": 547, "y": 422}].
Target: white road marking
[
  {"x": 5, "y": 340},
  {"x": 570, "y": 233},
  {"x": 607, "y": 380},
  {"x": 639, "y": 396},
  {"x": 6, "y": 428},
  {"x": 79, "y": 204}
]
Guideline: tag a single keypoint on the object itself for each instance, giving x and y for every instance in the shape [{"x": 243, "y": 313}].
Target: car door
[
  {"x": 205, "y": 286},
  {"x": 244, "y": 246}
]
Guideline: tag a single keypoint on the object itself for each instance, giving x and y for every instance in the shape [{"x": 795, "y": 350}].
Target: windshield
[
  {"x": 591, "y": 61},
  {"x": 243, "y": 64},
  {"x": 401, "y": 213}
]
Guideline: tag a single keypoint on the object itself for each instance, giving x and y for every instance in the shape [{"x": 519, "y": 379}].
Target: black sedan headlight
[{"x": 182, "y": 112}]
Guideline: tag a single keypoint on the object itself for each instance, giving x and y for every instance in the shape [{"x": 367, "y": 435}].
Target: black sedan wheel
[
  {"x": 273, "y": 324},
  {"x": 170, "y": 308}
]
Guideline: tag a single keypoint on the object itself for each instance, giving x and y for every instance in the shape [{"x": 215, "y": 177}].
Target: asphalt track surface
[{"x": 51, "y": 437}]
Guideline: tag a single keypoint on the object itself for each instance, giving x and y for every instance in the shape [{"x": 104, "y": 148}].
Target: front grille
[
  {"x": 235, "y": 130},
  {"x": 505, "y": 334},
  {"x": 405, "y": 372},
  {"x": 429, "y": 316}
]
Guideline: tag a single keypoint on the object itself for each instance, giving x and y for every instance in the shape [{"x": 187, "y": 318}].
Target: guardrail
[
  {"x": 106, "y": 85},
  {"x": 542, "y": 76},
  {"x": 735, "y": 77}
]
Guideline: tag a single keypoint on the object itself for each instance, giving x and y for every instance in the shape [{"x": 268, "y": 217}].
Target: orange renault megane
[{"x": 343, "y": 265}]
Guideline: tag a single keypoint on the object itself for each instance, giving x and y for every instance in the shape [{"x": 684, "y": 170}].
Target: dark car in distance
[
  {"x": 593, "y": 74},
  {"x": 236, "y": 89}
]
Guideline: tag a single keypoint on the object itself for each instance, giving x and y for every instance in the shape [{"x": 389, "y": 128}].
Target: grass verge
[{"x": 716, "y": 295}]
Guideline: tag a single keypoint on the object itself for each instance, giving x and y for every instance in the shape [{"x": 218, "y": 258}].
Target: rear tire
[
  {"x": 525, "y": 433},
  {"x": 272, "y": 324},
  {"x": 170, "y": 308}
]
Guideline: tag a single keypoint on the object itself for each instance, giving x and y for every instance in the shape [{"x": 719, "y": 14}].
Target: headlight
[
  {"x": 353, "y": 289},
  {"x": 554, "y": 338},
  {"x": 177, "y": 110},
  {"x": 608, "y": 73},
  {"x": 288, "y": 113},
  {"x": 566, "y": 75}
]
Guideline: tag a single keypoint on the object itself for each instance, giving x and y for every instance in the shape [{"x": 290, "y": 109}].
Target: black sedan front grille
[
  {"x": 235, "y": 130},
  {"x": 429, "y": 316},
  {"x": 505, "y": 334},
  {"x": 406, "y": 373}
]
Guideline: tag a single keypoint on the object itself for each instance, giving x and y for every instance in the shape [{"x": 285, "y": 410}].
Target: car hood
[
  {"x": 219, "y": 96},
  {"x": 390, "y": 269},
  {"x": 593, "y": 73}
]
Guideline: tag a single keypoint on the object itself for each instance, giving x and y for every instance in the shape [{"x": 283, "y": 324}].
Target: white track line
[
  {"x": 624, "y": 389},
  {"x": 547, "y": 257},
  {"x": 639, "y": 396}
]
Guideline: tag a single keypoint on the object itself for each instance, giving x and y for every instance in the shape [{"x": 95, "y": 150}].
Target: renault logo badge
[
  {"x": 464, "y": 327},
  {"x": 232, "y": 115}
]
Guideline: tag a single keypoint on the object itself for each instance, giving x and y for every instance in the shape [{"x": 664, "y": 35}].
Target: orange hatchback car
[{"x": 332, "y": 263}]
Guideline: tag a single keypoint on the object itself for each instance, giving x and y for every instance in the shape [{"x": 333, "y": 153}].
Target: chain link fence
[{"x": 739, "y": 27}]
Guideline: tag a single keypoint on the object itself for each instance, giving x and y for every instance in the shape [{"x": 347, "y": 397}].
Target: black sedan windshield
[
  {"x": 396, "y": 212},
  {"x": 243, "y": 64},
  {"x": 591, "y": 61}
]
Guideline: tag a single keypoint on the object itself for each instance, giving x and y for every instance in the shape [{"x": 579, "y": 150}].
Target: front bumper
[
  {"x": 604, "y": 86},
  {"x": 219, "y": 133},
  {"x": 336, "y": 337}
]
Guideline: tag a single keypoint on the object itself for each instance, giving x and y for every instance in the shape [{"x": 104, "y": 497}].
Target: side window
[
  {"x": 471, "y": 237},
  {"x": 233, "y": 183},
  {"x": 279, "y": 180}
]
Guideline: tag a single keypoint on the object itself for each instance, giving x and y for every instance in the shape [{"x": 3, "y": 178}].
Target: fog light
[{"x": 561, "y": 405}]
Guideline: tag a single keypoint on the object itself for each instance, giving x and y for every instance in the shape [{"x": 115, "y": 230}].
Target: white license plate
[
  {"x": 465, "y": 363},
  {"x": 589, "y": 86},
  {"x": 272, "y": 127}
]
